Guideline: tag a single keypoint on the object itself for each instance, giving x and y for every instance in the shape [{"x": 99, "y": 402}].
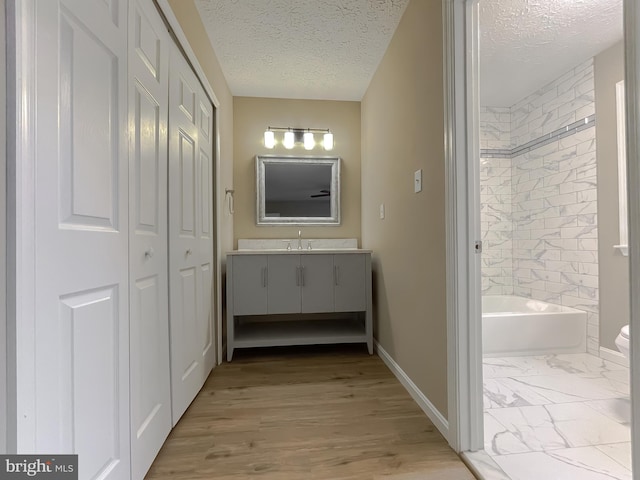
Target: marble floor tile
[
  {"x": 551, "y": 427},
  {"x": 583, "y": 426},
  {"x": 562, "y": 389},
  {"x": 533, "y": 426},
  {"x": 620, "y": 452},
  {"x": 584, "y": 363},
  {"x": 622, "y": 376},
  {"x": 618, "y": 380},
  {"x": 571, "y": 364},
  {"x": 498, "y": 393},
  {"x": 586, "y": 463},
  {"x": 618, "y": 409},
  {"x": 558, "y": 417},
  {"x": 499, "y": 440},
  {"x": 589, "y": 459},
  {"x": 518, "y": 367}
]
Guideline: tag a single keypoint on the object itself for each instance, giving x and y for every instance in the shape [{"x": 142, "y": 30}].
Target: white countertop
[
  {"x": 304, "y": 251},
  {"x": 257, "y": 246}
]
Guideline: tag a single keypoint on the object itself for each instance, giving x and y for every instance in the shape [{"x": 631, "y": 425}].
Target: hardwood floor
[{"x": 305, "y": 413}]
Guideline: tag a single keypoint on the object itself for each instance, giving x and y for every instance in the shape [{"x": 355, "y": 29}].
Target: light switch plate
[
  {"x": 417, "y": 182},
  {"x": 382, "y": 211}
]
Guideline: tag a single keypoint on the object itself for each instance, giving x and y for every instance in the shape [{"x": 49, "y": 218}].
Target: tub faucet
[{"x": 299, "y": 239}]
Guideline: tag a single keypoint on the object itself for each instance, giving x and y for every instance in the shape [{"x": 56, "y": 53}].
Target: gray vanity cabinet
[
  {"x": 350, "y": 283},
  {"x": 283, "y": 284},
  {"x": 329, "y": 292},
  {"x": 250, "y": 285},
  {"x": 317, "y": 283},
  {"x": 264, "y": 284}
]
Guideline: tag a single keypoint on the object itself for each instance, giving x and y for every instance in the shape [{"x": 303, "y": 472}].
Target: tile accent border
[{"x": 566, "y": 131}]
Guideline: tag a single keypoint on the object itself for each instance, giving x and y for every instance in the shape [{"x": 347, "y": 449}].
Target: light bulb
[
  {"x": 328, "y": 141},
  {"x": 269, "y": 139},
  {"x": 309, "y": 143},
  {"x": 289, "y": 140}
]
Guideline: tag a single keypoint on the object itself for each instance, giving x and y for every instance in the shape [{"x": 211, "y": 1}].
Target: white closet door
[
  {"x": 149, "y": 43},
  {"x": 205, "y": 229},
  {"x": 81, "y": 203},
  {"x": 190, "y": 267}
]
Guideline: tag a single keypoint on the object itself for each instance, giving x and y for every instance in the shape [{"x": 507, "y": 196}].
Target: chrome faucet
[{"x": 299, "y": 239}]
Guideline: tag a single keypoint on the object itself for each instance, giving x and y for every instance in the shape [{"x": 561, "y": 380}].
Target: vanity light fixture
[
  {"x": 293, "y": 136},
  {"x": 327, "y": 141},
  {"x": 309, "y": 142},
  {"x": 289, "y": 140},
  {"x": 269, "y": 138}
]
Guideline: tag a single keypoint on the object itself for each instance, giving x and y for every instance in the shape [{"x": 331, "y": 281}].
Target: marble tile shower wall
[
  {"x": 496, "y": 201},
  {"x": 552, "y": 206}
]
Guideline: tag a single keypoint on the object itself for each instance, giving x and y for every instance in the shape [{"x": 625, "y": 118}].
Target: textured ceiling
[
  {"x": 329, "y": 49},
  {"x": 312, "y": 49},
  {"x": 525, "y": 44}
]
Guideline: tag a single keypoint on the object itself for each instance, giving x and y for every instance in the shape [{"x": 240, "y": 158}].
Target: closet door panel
[
  {"x": 189, "y": 259},
  {"x": 148, "y": 218},
  {"x": 205, "y": 226},
  {"x": 81, "y": 206},
  {"x": 187, "y": 184},
  {"x": 206, "y": 324}
]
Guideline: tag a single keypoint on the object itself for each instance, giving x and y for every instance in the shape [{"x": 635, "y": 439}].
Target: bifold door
[
  {"x": 123, "y": 224},
  {"x": 190, "y": 233},
  {"x": 149, "y": 44},
  {"x": 81, "y": 216}
]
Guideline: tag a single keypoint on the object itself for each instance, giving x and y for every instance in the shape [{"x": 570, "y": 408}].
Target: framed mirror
[{"x": 297, "y": 190}]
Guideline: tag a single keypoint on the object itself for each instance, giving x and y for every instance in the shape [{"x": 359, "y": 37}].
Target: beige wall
[
  {"x": 251, "y": 117},
  {"x": 613, "y": 267},
  {"x": 189, "y": 18},
  {"x": 402, "y": 131}
]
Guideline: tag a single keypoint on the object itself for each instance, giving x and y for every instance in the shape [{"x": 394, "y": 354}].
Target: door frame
[
  {"x": 21, "y": 188},
  {"x": 632, "y": 90},
  {"x": 464, "y": 343},
  {"x": 462, "y": 150},
  {"x": 3, "y": 232},
  {"x": 218, "y": 201}
]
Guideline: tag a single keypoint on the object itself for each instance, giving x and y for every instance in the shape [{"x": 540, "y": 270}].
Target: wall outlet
[
  {"x": 417, "y": 181},
  {"x": 382, "y": 211}
]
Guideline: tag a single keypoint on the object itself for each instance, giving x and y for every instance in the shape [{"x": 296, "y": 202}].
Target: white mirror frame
[{"x": 261, "y": 217}]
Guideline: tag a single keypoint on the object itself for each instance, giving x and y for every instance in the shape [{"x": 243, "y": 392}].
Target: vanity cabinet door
[
  {"x": 350, "y": 278},
  {"x": 284, "y": 283},
  {"x": 317, "y": 283},
  {"x": 249, "y": 284}
]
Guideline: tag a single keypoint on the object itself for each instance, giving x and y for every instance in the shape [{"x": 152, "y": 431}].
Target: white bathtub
[{"x": 514, "y": 325}]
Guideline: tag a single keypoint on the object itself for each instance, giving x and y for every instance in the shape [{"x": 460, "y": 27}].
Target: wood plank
[{"x": 330, "y": 412}]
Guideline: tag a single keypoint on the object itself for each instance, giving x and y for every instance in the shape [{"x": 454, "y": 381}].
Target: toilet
[{"x": 622, "y": 341}]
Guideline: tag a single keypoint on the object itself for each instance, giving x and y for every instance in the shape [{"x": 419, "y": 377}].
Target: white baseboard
[
  {"x": 423, "y": 402},
  {"x": 614, "y": 356}
]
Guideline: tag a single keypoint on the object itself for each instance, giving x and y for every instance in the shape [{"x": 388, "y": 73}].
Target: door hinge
[{"x": 478, "y": 246}]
